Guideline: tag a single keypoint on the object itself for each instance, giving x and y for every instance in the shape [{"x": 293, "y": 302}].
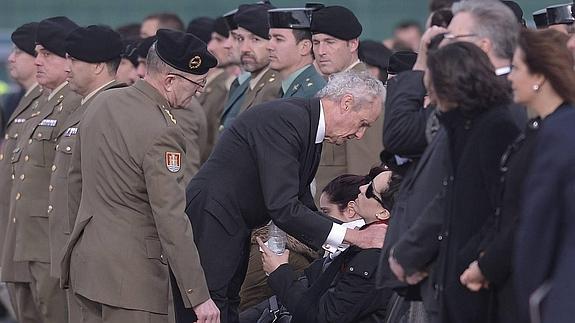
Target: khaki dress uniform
[
  {"x": 130, "y": 221},
  {"x": 354, "y": 156},
  {"x": 27, "y": 239},
  {"x": 194, "y": 123},
  {"x": 27, "y": 106},
  {"x": 61, "y": 222},
  {"x": 213, "y": 100},
  {"x": 266, "y": 89},
  {"x": 21, "y": 298}
]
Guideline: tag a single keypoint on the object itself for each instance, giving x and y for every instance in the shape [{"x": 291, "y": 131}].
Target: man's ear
[
  {"x": 485, "y": 44},
  {"x": 353, "y": 44},
  {"x": 346, "y": 103},
  {"x": 168, "y": 83},
  {"x": 305, "y": 47},
  {"x": 349, "y": 211}
]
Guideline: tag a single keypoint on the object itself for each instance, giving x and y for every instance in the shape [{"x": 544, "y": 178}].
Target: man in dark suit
[{"x": 276, "y": 145}]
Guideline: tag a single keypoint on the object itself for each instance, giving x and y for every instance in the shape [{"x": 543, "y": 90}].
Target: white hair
[{"x": 363, "y": 87}]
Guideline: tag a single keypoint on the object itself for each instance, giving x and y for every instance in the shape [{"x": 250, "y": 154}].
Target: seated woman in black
[{"x": 340, "y": 289}]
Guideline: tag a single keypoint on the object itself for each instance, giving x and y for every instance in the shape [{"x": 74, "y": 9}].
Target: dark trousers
[{"x": 227, "y": 298}]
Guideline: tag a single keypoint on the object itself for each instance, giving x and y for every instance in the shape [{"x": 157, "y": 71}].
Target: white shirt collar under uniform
[
  {"x": 320, "y": 135},
  {"x": 503, "y": 70}
]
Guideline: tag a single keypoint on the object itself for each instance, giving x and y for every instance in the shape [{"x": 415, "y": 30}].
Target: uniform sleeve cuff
[{"x": 335, "y": 238}]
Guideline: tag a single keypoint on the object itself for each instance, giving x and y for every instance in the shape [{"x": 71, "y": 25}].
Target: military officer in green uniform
[
  {"x": 290, "y": 51},
  {"x": 22, "y": 70},
  {"x": 27, "y": 240},
  {"x": 131, "y": 224},
  {"x": 94, "y": 53},
  {"x": 336, "y": 32}
]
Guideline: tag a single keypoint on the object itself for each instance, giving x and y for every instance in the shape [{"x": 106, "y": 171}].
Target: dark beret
[
  {"x": 517, "y": 11},
  {"x": 401, "y": 61},
  {"x": 336, "y": 21},
  {"x": 201, "y": 27},
  {"x": 229, "y": 17},
  {"x": 24, "y": 37},
  {"x": 221, "y": 27},
  {"x": 52, "y": 33},
  {"x": 184, "y": 52},
  {"x": 296, "y": 18},
  {"x": 254, "y": 18},
  {"x": 559, "y": 15},
  {"x": 540, "y": 18},
  {"x": 374, "y": 53},
  {"x": 94, "y": 44},
  {"x": 130, "y": 51},
  {"x": 144, "y": 46}
]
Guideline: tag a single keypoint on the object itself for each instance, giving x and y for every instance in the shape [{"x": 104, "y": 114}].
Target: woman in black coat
[
  {"x": 473, "y": 104},
  {"x": 342, "y": 288},
  {"x": 542, "y": 82}
]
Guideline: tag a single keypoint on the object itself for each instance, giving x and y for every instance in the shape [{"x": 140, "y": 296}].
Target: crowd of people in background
[{"x": 145, "y": 171}]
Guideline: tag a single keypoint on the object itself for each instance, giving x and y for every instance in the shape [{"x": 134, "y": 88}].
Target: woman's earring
[{"x": 536, "y": 87}]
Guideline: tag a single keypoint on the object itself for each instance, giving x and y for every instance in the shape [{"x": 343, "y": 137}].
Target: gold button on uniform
[
  {"x": 68, "y": 148},
  {"x": 40, "y": 135},
  {"x": 26, "y": 158},
  {"x": 6, "y": 136},
  {"x": 18, "y": 195},
  {"x": 50, "y": 208},
  {"x": 1, "y": 156},
  {"x": 50, "y": 188},
  {"x": 189, "y": 291},
  {"x": 15, "y": 135},
  {"x": 22, "y": 177},
  {"x": 14, "y": 220},
  {"x": 57, "y": 147},
  {"x": 53, "y": 168},
  {"x": 29, "y": 141}
]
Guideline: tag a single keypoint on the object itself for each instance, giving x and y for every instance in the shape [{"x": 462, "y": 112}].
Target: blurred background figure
[
  {"x": 406, "y": 36},
  {"x": 164, "y": 20},
  {"x": 376, "y": 58},
  {"x": 560, "y": 18},
  {"x": 540, "y": 19}
]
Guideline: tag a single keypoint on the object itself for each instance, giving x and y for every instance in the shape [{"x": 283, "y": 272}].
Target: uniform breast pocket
[
  {"x": 41, "y": 146},
  {"x": 64, "y": 150}
]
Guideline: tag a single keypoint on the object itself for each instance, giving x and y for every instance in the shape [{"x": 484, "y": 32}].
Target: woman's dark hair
[
  {"x": 345, "y": 188},
  {"x": 441, "y": 18},
  {"x": 462, "y": 74},
  {"x": 388, "y": 196},
  {"x": 545, "y": 52}
]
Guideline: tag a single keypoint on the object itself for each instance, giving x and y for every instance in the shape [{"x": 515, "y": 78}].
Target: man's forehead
[{"x": 461, "y": 22}]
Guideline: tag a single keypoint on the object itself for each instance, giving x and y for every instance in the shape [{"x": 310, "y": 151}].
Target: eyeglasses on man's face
[{"x": 201, "y": 85}]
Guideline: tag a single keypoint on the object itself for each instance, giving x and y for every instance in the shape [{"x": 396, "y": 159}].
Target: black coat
[
  {"x": 476, "y": 145},
  {"x": 345, "y": 292},
  {"x": 260, "y": 169},
  {"x": 545, "y": 244},
  {"x": 497, "y": 245}
]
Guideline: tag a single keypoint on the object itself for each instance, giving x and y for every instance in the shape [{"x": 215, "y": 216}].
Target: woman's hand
[
  {"x": 473, "y": 278},
  {"x": 270, "y": 260}
]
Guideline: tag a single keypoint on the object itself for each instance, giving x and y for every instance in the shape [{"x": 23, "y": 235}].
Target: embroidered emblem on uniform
[
  {"x": 48, "y": 122},
  {"x": 173, "y": 161},
  {"x": 71, "y": 132},
  {"x": 19, "y": 120},
  {"x": 195, "y": 62}
]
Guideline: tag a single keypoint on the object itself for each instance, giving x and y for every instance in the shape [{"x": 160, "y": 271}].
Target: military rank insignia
[
  {"x": 173, "y": 161},
  {"x": 71, "y": 132},
  {"x": 48, "y": 122}
]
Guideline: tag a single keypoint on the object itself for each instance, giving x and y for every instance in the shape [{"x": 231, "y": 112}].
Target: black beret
[
  {"x": 517, "y": 11},
  {"x": 52, "y": 33},
  {"x": 540, "y": 18},
  {"x": 130, "y": 52},
  {"x": 295, "y": 18},
  {"x": 221, "y": 27},
  {"x": 229, "y": 17},
  {"x": 401, "y": 61},
  {"x": 254, "y": 18},
  {"x": 144, "y": 46},
  {"x": 559, "y": 14},
  {"x": 201, "y": 27},
  {"x": 374, "y": 53},
  {"x": 184, "y": 52},
  {"x": 24, "y": 37},
  {"x": 94, "y": 44},
  {"x": 336, "y": 21}
]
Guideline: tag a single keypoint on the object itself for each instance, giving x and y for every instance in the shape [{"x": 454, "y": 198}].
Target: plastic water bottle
[{"x": 277, "y": 239}]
